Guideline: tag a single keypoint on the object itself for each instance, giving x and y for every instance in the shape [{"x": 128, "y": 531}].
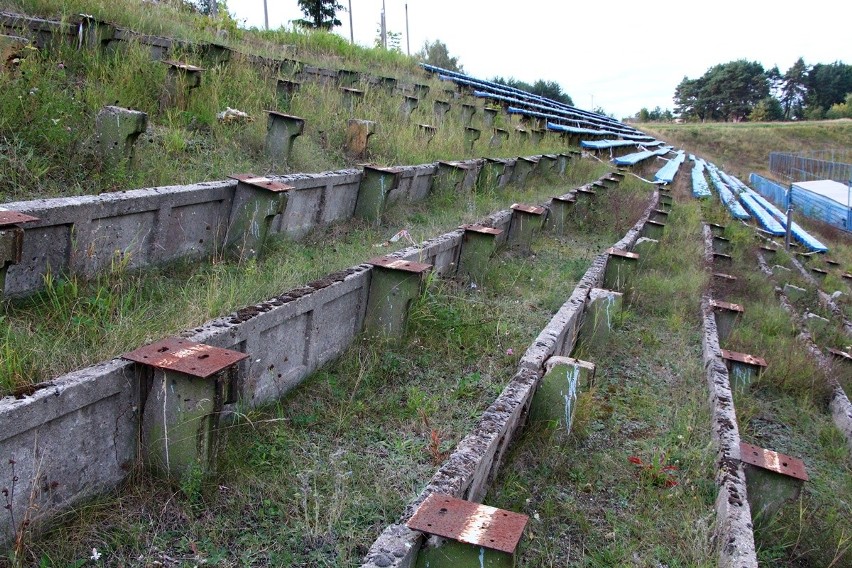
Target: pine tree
[{"x": 319, "y": 14}]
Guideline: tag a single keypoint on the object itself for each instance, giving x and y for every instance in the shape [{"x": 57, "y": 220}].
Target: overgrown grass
[
  {"x": 786, "y": 410},
  {"x": 74, "y": 323},
  {"x": 589, "y": 505},
  {"x": 313, "y": 479}
]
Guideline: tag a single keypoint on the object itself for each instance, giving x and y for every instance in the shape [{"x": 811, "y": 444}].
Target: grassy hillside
[{"x": 740, "y": 148}]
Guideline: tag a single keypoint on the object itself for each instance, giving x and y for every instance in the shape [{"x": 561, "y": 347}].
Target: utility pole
[
  {"x": 407, "y": 35},
  {"x": 789, "y": 217},
  {"x": 384, "y": 28},
  {"x": 351, "y": 29},
  {"x": 265, "y": 16},
  {"x": 213, "y": 8}
]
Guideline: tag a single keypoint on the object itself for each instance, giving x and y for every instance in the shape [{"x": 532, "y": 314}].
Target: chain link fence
[{"x": 811, "y": 166}]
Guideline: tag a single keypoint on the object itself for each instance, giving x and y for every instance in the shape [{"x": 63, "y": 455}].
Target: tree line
[{"x": 744, "y": 90}]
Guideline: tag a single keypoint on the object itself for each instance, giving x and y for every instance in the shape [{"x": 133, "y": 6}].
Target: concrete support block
[
  {"x": 94, "y": 33},
  {"x": 666, "y": 201},
  {"x": 794, "y": 293},
  {"x": 547, "y": 164},
  {"x": 523, "y": 168},
  {"x": 536, "y": 136},
  {"x": 491, "y": 174},
  {"x": 394, "y": 285},
  {"x": 451, "y": 177},
  {"x": 523, "y": 135},
  {"x": 816, "y": 324},
  {"x": 489, "y": 116},
  {"x": 653, "y": 230},
  {"x": 257, "y": 201},
  {"x": 560, "y": 211},
  {"x": 818, "y": 273},
  {"x": 620, "y": 267},
  {"x": 471, "y": 135},
  {"x": 351, "y": 98},
  {"x": 181, "y": 79},
  {"x": 408, "y": 105},
  {"x": 721, "y": 245},
  {"x": 644, "y": 246},
  {"x": 11, "y": 242},
  {"x": 562, "y": 163},
  {"x": 286, "y": 90},
  {"x": 768, "y": 253},
  {"x": 498, "y": 137},
  {"x": 602, "y": 313},
  {"x": 184, "y": 387},
  {"x": 440, "y": 110},
  {"x": 555, "y": 400},
  {"x": 426, "y": 132},
  {"x": 216, "y": 54},
  {"x": 781, "y": 273},
  {"x": 387, "y": 84},
  {"x": 727, "y": 317},
  {"x": 720, "y": 259},
  {"x": 526, "y": 222},
  {"x": 464, "y": 534},
  {"x": 358, "y": 134},
  {"x": 772, "y": 479},
  {"x": 742, "y": 368},
  {"x": 479, "y": 245},
  {"x": 116, "y": 132},
  {"x": 723, "y": 283},
  {"x": 281, "y": 131},
  {"x": 348, "y": 79},
  {"x": 467, "y": 112},
  {"x": 290, "y": 67},
  {"x": 660, "y": 216},
  {"x": 376, "y": 184},
  {"x": 421, "y": 91},
  {"x": 716, "y": 229},
  {"x": 12, "y": 50}
]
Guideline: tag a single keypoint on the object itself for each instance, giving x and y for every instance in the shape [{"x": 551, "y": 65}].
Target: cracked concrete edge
[{"x": 733, "y": 536}]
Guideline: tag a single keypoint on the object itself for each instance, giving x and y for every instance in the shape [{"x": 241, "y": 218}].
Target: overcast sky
[{"x": 620, "y": 55}]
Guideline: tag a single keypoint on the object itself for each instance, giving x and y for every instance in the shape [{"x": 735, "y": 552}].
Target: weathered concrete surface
[
  {"x": 72, "y": 439},
  {"x": 602, "y": 314},
  {"x": 733, "y": 537},
  {"x": 116, "y": 131},
  {"x": 358, "y": 134},
  {"x": 281, "y": 131}
]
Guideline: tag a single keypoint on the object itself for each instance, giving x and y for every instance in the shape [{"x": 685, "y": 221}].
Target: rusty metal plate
[
  {"x": 726, "y": 305},
  {"x": 497, "y": 161},
  {"x": 773, "y": 461},
  {"x": 531, "y": 209},
  {"x": 399, "y": 264},
  {"x": 185, "y": 356},
  {"x": 723, "y": 239},
  {"x": 15, "y": 218},
  {"x": 482, "y": 229},
  {"x": 612, "y": 251},
  {"x": 619, "y": 175},
  {"x": 282, "y": 115},
  {"x": 744, "y": 358},
  {"x": 471, "y": 523},
  {"x": 661, "y": 212},
  {"x": 585, "y": 189},
  {"x": 654, "y": 223},
  {"x": 840, "y": 354},
  {"x": 819, "y": 271},
  {"x": 565, "y": 198},
  {"x": 382, "y": 169},
  {"x": 722, "y": 255},
  {"x": 530, "y": 160},
  {"x": 831, "y": 262},
  {"x": 458, "y": 165},
  {"x": 768, "y": 249},
  {"x": 184, "y": 66},
  {"x": 717, "y": 225},
  {"x": 262, "y": 182},
  {"x": 351, "y": 90},
  {"x": 847, "y": 276},
  {"x": 723, "y": 276}
]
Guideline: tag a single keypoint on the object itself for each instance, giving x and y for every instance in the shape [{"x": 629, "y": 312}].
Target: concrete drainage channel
[{"x": 309, "y": 326}]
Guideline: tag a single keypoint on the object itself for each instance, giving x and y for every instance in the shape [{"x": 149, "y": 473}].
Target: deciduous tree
[{"x": 319, "y": 14}]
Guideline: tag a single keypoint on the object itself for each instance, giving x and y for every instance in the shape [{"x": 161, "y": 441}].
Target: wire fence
[{"x": 811, "y": 166}]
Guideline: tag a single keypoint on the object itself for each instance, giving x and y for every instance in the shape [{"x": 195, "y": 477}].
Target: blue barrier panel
[{"x": 667, "y": 173}]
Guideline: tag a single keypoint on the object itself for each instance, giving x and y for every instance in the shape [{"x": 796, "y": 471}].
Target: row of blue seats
[
  {"x": 700, "y": 189},
  {"x": 666, "y": 174},
  {"x": 636, "y": 157}
]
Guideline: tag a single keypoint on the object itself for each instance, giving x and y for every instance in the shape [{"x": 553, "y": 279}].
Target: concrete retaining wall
[
  {"x": 84, "y": 235},
  {"x": 77, "y": 435},
  {"x": 473, "y": 465}
]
